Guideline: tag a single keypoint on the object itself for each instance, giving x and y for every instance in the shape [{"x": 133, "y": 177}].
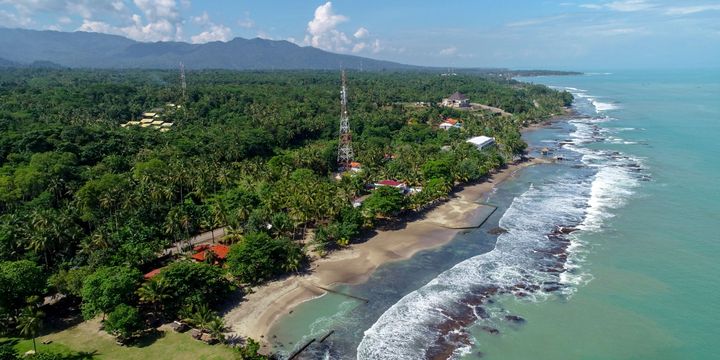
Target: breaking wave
[{"x": 539, "y": 256}]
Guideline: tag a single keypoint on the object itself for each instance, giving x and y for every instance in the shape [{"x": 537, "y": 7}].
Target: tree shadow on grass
[
  {"x": 83, "y": 355},
  {"x": 148, "y": 338}
]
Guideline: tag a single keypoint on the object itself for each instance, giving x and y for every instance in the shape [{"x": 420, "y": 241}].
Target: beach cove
[{"x": 257, "y": 313}]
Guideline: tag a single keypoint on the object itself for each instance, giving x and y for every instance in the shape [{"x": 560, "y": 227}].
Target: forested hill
[{"x": 95, "y": 50}]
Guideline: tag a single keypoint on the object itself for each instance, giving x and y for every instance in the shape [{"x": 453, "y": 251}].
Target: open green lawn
[{"x": 87, "y": 338}]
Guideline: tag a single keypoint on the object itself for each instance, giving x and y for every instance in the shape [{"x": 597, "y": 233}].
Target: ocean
[{"x": 609, "y": 253}]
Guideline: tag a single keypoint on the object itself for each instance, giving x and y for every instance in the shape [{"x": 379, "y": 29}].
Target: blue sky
[{"x": 578, "y": 35}]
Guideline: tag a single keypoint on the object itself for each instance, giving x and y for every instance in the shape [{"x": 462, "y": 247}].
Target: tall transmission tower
[
  {"x": 182, "y": 80},
  {"x": 345, "y": 150}
]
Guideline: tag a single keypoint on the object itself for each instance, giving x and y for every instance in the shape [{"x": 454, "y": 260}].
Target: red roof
[
  {"x": 151, "y": 274},
  {"x": 451, "y": 121},
  {"x": 389, "y": 183},
  {"x": 220, "y": 250},
  {"x": 355, "y": 164}
]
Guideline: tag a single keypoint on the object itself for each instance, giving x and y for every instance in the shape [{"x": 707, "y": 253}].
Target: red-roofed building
[
  {"x": 220, "y": 251},
  {"x": 152, "y": 274},
  {"x": 392, "y": 183},
  {"x": 450, "y": 123}
]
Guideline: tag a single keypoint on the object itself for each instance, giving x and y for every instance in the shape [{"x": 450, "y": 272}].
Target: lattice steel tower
[
  {"x": 345, "y": 151},
  {"x": 182, "y": 80}
]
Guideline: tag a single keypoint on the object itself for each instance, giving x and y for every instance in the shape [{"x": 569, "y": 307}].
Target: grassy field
[{"x": 86, "y": 338}]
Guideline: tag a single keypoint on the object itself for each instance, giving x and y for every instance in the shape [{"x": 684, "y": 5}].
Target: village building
[
  {"x": 457, "y": 100},
  {"x": 219, "y": 250},
  {"x": 481, "y": 142},
  {"x": 450, "y": 123},
  {"x": 392, "y": 183}
]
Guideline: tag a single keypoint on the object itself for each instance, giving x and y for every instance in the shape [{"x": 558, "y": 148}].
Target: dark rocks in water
[
  {"x": 515, "y": 319},
  {"x": 521, "y": 294},
  {"x": 565, "y": 229},
  {"x": 497, "y": 231},
  {"x": 490, "y": 330},
  {"x": 479, "y": 354},
  {"x": 551, "y": 288},
  {"x": 481, "y": 313}
]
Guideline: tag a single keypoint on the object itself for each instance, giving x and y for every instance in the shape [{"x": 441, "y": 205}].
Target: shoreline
[{"x": 256, "y": 314}]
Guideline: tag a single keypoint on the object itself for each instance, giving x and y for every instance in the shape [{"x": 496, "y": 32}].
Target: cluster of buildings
[
  {"x": 456, "y": 100},
  {"x": 155, "y": 118}
]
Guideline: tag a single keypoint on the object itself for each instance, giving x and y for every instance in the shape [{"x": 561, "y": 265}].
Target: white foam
[
  {"x": 405, "y": 330},
  {"x": 603, "y": 106}
]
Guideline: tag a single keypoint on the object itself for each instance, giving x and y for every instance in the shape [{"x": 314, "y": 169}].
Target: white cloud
[
  {"x": 361, "y": 33},
  {"x": 687, "y": 10},
  {"x": 214, "y": 33},
  {"x": 325, "y": 20},
  {"x": 537, "y": 21},
  {"x": 203, "y": 19},
  {"x": 376, "y": 47},
  {"x": 8, "y": 19},
  {"x": 449, "y": 51},
  {"x": 264, "y": 35},
  {"x": 246, "y": 22},
  {"x": 622, "y": 5},
  {"x": 64, "y": 20},
  {"x": 359, "y": 47},
  {"x": 322, "y": 32}
]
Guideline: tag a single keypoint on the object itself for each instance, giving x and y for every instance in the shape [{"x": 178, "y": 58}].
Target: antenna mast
[
  {"x": 182, "y": 80},
  {"x": 345, "y": 151}
]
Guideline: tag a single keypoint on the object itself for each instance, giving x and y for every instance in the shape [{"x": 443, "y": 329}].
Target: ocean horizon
[{"x": 632, "y": 280}]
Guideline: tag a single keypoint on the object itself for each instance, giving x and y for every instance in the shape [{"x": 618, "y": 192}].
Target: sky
[{"x": 571, "y": 35}]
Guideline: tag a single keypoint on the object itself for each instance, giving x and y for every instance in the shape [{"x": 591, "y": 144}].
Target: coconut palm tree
[
  {"x": 216, "y": 328},
  {"x": 202, "y": 317},
  {"x": 155, "y": 292},
  {"x": 29, "y": 323}
]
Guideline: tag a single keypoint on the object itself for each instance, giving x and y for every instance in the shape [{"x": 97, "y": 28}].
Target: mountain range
[{"x": 21, "y": 47}]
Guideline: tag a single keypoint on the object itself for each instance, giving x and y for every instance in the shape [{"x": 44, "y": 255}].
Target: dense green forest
[{"x": 86, "y": 206}]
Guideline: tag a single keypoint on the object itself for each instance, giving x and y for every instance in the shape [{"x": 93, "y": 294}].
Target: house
[
  {"x": 149, "y": 114},
  {"x": 481, "y": 142},
  {"x": 220, "y": 251},
  {"x": 391, "y": 183},
  {"x": 456, "y": 100},
  {"x": 355, "y": 166},
  {"x": 450, "y": 123}
]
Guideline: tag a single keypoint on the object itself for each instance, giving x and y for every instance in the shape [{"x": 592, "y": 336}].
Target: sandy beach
[{"x": 254, "y": 316}]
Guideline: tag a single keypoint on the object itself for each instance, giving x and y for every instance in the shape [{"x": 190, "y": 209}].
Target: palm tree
[
  {"x": 202, "y": 317},
  {"x": 154, "y": 292},
  {"x": 216, "y": 327},
  {"x": 29, "y": 323}
]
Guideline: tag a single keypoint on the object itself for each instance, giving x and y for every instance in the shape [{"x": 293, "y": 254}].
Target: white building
[{"x": 481, "y": 142}]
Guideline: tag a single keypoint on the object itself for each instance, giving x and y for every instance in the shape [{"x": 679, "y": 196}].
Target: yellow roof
[{"x": 157, "y": 122}]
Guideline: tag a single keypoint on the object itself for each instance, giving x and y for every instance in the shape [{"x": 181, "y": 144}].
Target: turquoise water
[
  {"x": 640, "y": 281},
  {"x": 654, "y": 293}
]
